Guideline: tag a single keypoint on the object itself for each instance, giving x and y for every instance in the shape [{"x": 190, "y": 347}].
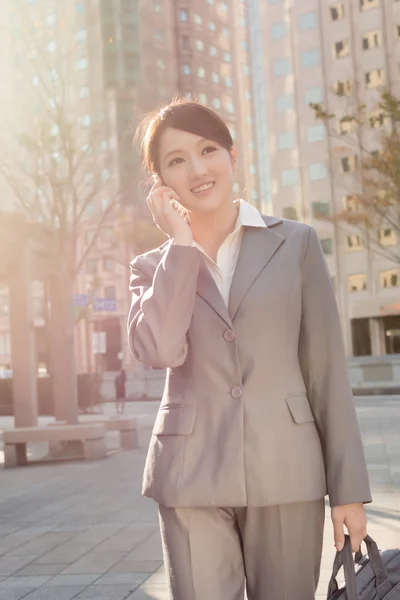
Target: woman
[{"x": 256, "y": 424}]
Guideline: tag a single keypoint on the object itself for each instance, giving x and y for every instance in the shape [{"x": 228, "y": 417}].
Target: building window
[
  {"x": 390, "y": 278},
  {"x": 197, "y": 19},
  {"x": 288, "y": 177},
  {"x": 89, "y": 236},
  {"x": 185, "y": 42},
  {"x": 82, "y": 63},
  {"x": 320, "y": 209},
  {"x": 203, "y": 98},
  {"x": 107, "y": 235},
  {"x": 86, "y": 121},
  {"x": 348, "y": 164},
  {"x": 51, "y": 47},
  {"x": 367, "y": 4},
  {"x": 213, "y": 51},
  {"x": 183, "y": 15},
  {"x": 377, "y": 118},
  {"x": 253, "y": 169},
  {"x": 91, "y": 266},
  {"x": 354, "y": 242},
  {"x": 387, "y": 236},
  {"x": 228, "y": 82},
  {"x": 275, "y": 1},
  {"x": 279, "y": 30},
  {"x": 316, "y": 133},
  {"x": 186, "y": 69},
  {"x": 80, "y": 8},
  {"x": 109, "y": 292},
  {"x": 230, "y": 107},
  {"x": 342, "y": 88},
  {"x": 308, "y": 21},
  {"x": 84, "y": 92},
  {"x": 108, "y": 264},
  {"x": 200, "y": 45},
  {"x": 50, "y": 20},
  {"x": 341, "y": 49},
  {"x": 373, "y": 39},
  {"x": 212, "y": 26},
  {"x": 346, "y": 124},
  {"x": 352, "y": 203},
  {"x": 201, "y": 72},
  {"x": 160, "y": 63},
  {"x": 284, "y": 103},
  {"x": 286, "y": 141},
  {"x": 337, "y": 12},
  {"x": 215, "y": 77},
  {"x": 281, "y": 67},
  {"x": 254, "y": 195},
  {"x": 375, "y": 78},
  {"x": 246, "y": 70},
  {"x": 357, "y": 283},
  {"x": 310, "y": 58},
  {"x": 217, "y": 103},
  {"x": 314, "y": 95},
  {"x": 327, "y": 246},
  {"x": 397, "y": 31},
  {"x": 81, "y": 36},
  {"x": 227, "y": 57},
  {"x": 290, "y": 212},
  {"x": 318, "y": 171}
]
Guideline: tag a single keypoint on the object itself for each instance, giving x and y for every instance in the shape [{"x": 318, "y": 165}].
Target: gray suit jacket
[{"x": 260, "y": 409}]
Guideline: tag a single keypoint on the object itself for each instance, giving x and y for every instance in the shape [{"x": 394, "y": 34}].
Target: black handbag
[{"x": 375, "y": 576}]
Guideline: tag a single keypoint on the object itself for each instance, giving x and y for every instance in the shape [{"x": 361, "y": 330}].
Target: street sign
[{"x": 104, "y": 305}]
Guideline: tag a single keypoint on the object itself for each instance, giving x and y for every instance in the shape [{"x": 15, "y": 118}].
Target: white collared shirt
[{"x": 223, "y": 269}]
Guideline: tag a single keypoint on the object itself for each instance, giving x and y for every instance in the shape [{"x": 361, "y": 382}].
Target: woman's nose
[{"x": 197, "y": 168}]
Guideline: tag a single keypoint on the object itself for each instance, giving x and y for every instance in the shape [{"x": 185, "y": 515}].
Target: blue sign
[
  {"x": 105, "y": 305},
  {"x": 99, "y": 304}
]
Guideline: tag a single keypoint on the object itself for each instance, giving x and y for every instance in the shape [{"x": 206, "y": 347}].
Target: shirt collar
[{"x": 248, "y": 216}]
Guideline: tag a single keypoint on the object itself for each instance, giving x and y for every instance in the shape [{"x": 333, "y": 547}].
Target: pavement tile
[
  {"x": 135, "y": 566},
  {"x": 35, "y": 569},
  {"x": 133, "y": 579},
  {"x": 108, "y": 592},
  {"x": 32, "y": 581},
  {"x": 94, "y": 562},
  {"x": 47, "y": 593},
  {"x": 11, "y": 564},
  {"x": 14, "y": 593},
  {"x": 79, "y": 579}
]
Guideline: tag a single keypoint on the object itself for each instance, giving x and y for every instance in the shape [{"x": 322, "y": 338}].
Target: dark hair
[{"x": 187, "y": 115}]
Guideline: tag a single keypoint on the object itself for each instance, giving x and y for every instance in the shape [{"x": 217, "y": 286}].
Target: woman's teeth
[{"x": 203, "y": 188}]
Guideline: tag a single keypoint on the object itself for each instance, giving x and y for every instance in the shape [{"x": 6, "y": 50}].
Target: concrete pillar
[
  {"x": 63, "y": 367},
  {"x": 377, "y": 333},
  {"x": 23, "y": 350}
]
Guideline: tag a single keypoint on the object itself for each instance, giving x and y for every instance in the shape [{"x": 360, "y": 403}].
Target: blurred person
[
  {"x": 257, "y": 422},
  {"x": 120, "y": 382}
]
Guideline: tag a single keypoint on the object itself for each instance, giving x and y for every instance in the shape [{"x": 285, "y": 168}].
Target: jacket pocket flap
[
  {"x": 300, "y": 409},
  {"x": 174, "y": 420}
]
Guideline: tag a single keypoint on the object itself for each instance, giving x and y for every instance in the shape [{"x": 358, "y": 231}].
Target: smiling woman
[{"x": 256, "y": 423}]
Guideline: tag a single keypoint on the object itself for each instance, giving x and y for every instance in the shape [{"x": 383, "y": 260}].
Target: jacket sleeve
[
  {"x": 325, "y": 372},
  {"x": 162, "y": 307}
]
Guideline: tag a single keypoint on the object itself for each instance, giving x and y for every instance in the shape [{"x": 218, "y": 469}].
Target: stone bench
[
  {"x": 127, "y": 427},
  {"x": 92, "y": 437}
]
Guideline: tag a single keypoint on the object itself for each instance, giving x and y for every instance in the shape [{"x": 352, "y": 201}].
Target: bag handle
[{"x": 345, "y": 559}]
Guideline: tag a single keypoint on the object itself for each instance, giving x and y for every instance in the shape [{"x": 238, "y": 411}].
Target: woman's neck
[{"x": 210, "y": 231}]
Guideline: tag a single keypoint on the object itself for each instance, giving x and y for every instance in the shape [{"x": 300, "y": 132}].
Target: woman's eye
[
  {"x": 209, "y": 149},
  {"x": 175, "y": 161}
]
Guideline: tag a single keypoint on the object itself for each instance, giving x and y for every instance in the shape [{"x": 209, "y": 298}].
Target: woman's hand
[
  {"x": 163, "y": 204},
  {"x": 355, "y": 519}
]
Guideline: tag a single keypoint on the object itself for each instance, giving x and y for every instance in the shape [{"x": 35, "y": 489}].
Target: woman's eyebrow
[{"x": 177, "y": 150}]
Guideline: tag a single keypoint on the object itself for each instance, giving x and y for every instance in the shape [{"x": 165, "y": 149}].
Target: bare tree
[
  {"x": 60, "y": 172},
  {"x": 373, "y": 140}
]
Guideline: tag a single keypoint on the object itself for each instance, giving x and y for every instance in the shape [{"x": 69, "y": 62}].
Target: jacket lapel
[
  {"x": 207, "y": 289},
  {"x": 257, "y": 248}
]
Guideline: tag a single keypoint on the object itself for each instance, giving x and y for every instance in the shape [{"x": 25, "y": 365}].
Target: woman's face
[{"x": 200, "y": 171}]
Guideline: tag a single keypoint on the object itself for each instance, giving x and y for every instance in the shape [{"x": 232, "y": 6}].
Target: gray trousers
[{"x": 213, "y": 553}]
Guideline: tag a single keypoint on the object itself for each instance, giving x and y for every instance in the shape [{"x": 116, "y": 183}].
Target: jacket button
[
  {"x": 229, "y": 335},
  {"x": 236, "y": 391}
]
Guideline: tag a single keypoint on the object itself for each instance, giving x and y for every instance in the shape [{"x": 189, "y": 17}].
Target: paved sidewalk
[{"x": 82, "y": 530}]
